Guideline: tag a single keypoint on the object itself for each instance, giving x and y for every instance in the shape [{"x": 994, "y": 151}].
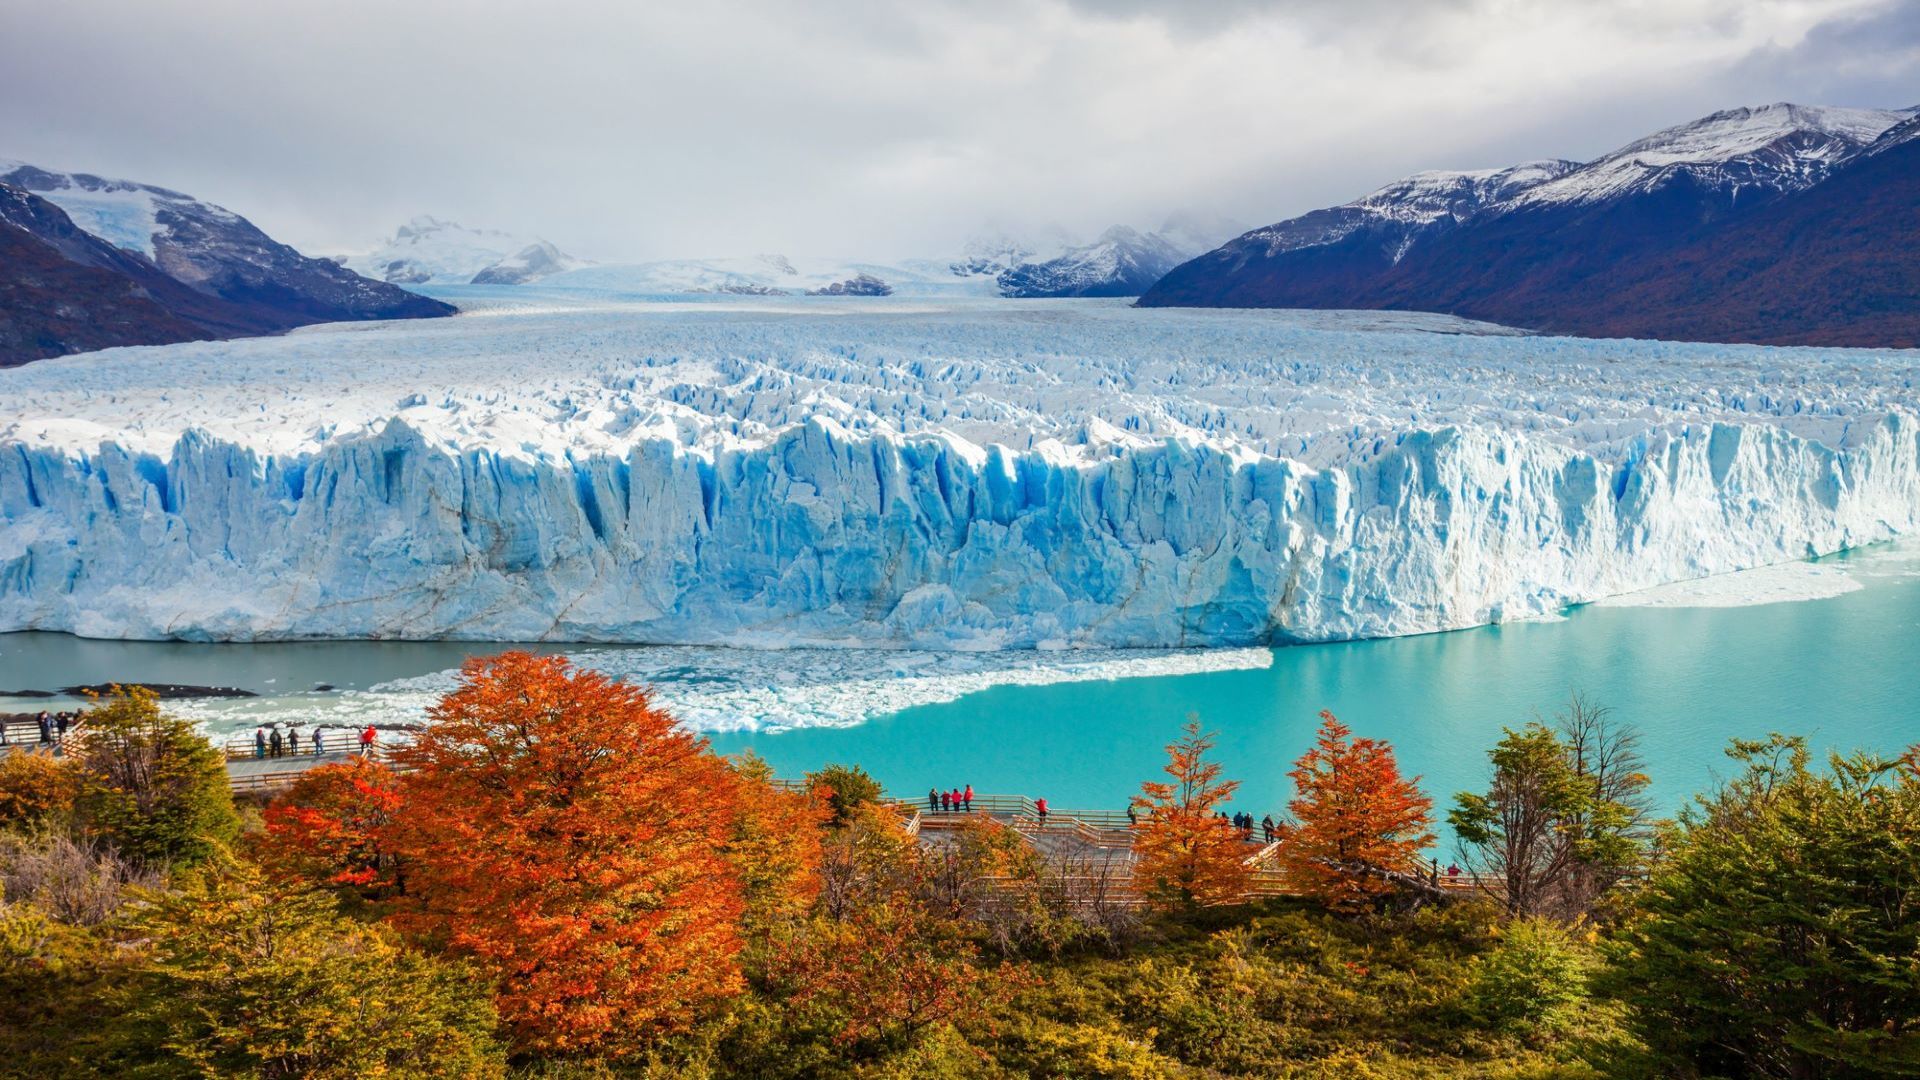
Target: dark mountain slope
[
  {"x": 63, "y": 290},
  {"x": 1623, "y": 244},
  {"x": 236, "y": 280},
  {"x": 1836, "y": 265}
]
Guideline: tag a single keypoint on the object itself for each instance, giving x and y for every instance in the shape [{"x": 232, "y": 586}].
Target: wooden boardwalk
[{"x": 1091, "y": 843}]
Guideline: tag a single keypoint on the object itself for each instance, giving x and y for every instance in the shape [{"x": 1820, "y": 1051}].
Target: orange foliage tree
[
  {"x": 1358, "y": 821},
  {"x": 776, "y": 844},
  {"x": 327, "y": 829},
  {"x": 36, "y": 789},
  {"x": 1185, "y": 855},
  {"x": 560, "y": 830}
]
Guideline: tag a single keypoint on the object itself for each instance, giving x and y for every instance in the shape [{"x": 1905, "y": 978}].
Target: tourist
[
  {"x": 319, "y": 741},
  {"x": 1453, "y": 871},
  {"x": 46, "y": 727},
  {"x": 1040, "y": 808},
  {"x": 967, "y": 797},
  {"x": 1266, "y": 828},
  {"x": 956, "y": 798},
  {"x": 293, "y": 741},
  {"x": 946, "y": 800},
  {"x": 275, "y": 744},
  {"x": 60, "y": 722},
  {"x": 366, "y": 741},
  {"x": 933, "y": 799},
  {"x": 259, "y": 742},
  {"x": 1133, "y": 818}
]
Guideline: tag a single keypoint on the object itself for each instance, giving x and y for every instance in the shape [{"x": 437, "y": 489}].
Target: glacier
[{"x": 927, "y": 473}]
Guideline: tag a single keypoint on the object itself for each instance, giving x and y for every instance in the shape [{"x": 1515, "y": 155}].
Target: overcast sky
[{"x": 632, "y": 129}]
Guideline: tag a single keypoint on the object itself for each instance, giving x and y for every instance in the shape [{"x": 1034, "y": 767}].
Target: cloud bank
[{"x": 626, "y": 131}]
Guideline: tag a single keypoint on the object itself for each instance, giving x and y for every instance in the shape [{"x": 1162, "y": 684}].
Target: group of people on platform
[
  {"x": 270, "y": 742},
  {"x": 1244, "y": 823},
  {"x": 52, "y": 727},
  {"x": 947, "y": 802}
]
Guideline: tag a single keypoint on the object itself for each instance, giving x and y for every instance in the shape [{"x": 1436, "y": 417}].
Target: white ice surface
[
  {"x": 1780, "y": 583},
  {"x": 920, "y": 472},
  {"x": 746, "y": 690}
]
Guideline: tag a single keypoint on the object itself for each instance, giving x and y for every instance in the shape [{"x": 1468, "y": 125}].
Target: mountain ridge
[{"x": 1543, "y": 255}]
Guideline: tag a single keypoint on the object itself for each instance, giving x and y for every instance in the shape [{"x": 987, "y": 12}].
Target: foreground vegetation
[{"x": 556, "y": 882}]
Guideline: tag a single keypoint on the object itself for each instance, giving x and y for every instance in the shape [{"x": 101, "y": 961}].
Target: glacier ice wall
[{"x": 821, "y": 536}]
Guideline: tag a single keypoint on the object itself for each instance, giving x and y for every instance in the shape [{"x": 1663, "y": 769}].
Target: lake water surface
[{"x": 1843, "y": 670}]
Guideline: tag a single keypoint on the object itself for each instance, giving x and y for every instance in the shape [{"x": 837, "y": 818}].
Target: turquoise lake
[{"x": 1843, "y": 670}]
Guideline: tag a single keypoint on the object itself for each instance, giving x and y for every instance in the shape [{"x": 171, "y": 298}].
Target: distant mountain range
[
  {"x": 1122, "y": 262},
  {"x": 1785, "y": 224},
  {"x": 89, "y": 263},
  {"x": 427, "y": 250}
]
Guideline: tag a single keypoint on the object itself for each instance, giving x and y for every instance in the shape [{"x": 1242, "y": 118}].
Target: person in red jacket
[
  {"x": 366, "y": 741},
  {"x": 967, "y": 798},
  {"x": 1040, "y": 808}
]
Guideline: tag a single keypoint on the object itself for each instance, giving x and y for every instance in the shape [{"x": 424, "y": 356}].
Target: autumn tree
[
  {"x": 888, "y": 959},
  {"x": 1360, "y": 825},
  {"x": 565, "y": 834},
  {"x": 328, "y": 830},
  {"x": 1185, "y": 854},
  {"x": 775, "y": 847},
  {"x": 247, "y": 979},
  {"x": 150, "y": 784},
  {"x": 36, "y": 790},
  {"x": 882, "y": 978}
]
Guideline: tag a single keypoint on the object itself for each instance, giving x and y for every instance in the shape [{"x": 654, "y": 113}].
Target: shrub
[
  {"x": 80, "y": 883},
  {"x": 250, "y": 980},
  {"x": 36, "y": 790},
  {"x": 1531, "y": 980}
]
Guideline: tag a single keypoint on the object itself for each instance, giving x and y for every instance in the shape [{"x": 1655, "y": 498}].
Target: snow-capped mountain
[
  {"x": 998, "y": 247},
  {"x": 1122, "y": 262},
  {"x": 1747, "y": 151},
  {"x": 1541, "y": 244},
  {"x": 772, "y": 275},
  {"x": 427, "y": 250},
  {"x": 1393, "y": 218},
  {"x": 237, "y": 280},
  {"x": 531, "y": 263},
  {"x": 64, "y": 290}
]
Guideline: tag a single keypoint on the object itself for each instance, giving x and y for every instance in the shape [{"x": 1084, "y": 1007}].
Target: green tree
[
  {"x": 1780, "y": 936},
  {"x": 1562, "y": 820},
  {"x": 150, "y": 784},
  {"x": 1612, "y": 836},
  {"x": 847, "y": 786},
  {"x": 249, "y": 980}
]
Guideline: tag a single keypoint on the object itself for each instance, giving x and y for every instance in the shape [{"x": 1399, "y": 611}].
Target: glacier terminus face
[{"x": 932, "y": 472}]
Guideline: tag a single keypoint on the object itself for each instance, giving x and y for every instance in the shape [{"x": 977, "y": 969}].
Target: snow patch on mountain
[{"x": 122, "y": 212}]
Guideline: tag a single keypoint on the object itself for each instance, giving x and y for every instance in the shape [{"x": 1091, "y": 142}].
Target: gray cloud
[{"x": 626, "y": 130}]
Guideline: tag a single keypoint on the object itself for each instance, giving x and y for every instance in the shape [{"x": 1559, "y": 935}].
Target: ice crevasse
[{"x": 818, "y": 535}]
